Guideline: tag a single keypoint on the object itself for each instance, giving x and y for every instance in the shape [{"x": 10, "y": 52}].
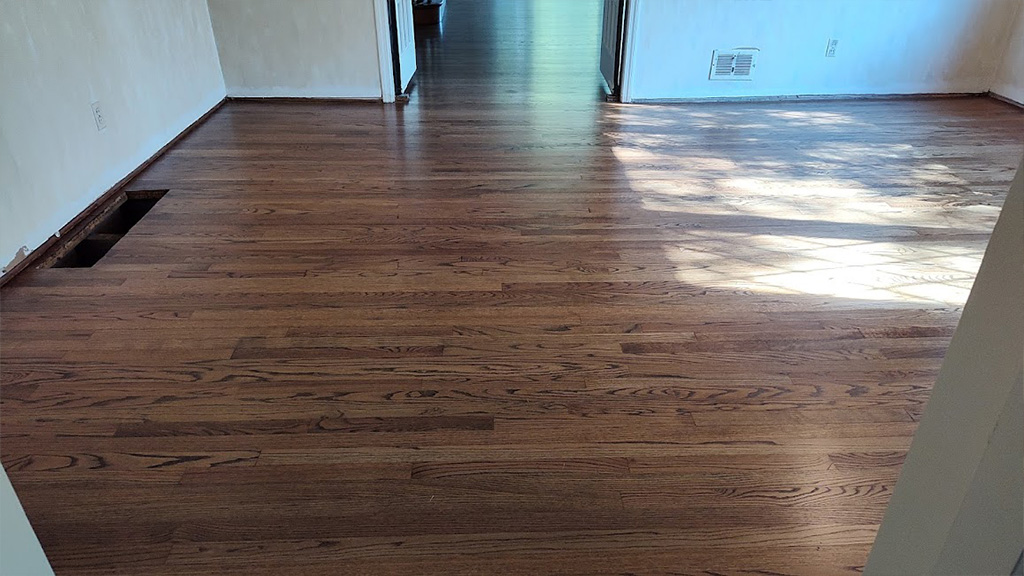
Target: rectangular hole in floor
[{"x": 112, "y": 228}]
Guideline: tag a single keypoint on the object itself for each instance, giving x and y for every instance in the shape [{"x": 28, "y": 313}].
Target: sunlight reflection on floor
[
  {"x": 782, "y": 264},
  {"x": 896, "y": 226}
]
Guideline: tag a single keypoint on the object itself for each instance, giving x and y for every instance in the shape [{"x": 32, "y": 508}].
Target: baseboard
[
  {"x": 1006, "y": 99},
  {"x": 99, "y": 206},
  {"x": 808, "y": 98},
  {"x": 305, "y": 99}
]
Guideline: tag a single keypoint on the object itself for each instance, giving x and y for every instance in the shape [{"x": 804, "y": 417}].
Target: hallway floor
[{"x": 507, "y": 328}]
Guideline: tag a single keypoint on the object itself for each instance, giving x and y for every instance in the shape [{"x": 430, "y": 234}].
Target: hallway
[
  {"x": 506, "y": 328},
  {"x": 541, "y": 55}
]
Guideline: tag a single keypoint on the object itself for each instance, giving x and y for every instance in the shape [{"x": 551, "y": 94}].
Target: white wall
[
  {"x": 885, "y": 46},
  {"x": 957, "y": 508},
  {"x": 1009, "y": 81},
  {"x": 20, "y": 552},
  {"x": 298, "y": 48},
  {"x": 152, "y": 65}
]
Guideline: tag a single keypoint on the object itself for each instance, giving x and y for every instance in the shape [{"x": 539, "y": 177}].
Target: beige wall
[
  {"x": 152, "y": 65},
  {"x": 957, "y": 508},
  {"x": 1009, "y": 82},
  {"x": 298, "y": 48}
]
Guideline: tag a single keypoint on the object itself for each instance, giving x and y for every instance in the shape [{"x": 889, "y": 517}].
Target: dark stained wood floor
[{"x": 507, "y": 328}]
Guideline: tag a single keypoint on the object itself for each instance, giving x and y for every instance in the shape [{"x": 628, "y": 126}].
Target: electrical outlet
[
  {"x": 97, "y": 115},
  {"x": 830, "y": 50}
]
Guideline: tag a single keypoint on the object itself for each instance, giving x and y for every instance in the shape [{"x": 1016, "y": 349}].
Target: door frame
[
  {"x": 623, "y": 66},
  {"x": 627, "y": 51},
  {"x": 388, "y": 57},
  {"x": 390, "y": 73},
  {"x": 396, "y": 61},
  {"x": 615, "y": 86},
  {"x": 386, "y": 53}
]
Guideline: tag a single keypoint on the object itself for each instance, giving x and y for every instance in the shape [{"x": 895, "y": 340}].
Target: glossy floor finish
[{"x": 507, "y": 328}]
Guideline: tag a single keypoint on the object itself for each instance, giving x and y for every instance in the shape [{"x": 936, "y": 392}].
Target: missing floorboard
[{"x": 96, "y": 239}]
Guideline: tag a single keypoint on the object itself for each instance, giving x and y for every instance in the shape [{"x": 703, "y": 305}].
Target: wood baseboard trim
[
  {"x": 1006, "y": 100},
  {"x": 808, "y": 98},
  {"x": 101, "y": 206},
  {"x": 304, "y": 99}
]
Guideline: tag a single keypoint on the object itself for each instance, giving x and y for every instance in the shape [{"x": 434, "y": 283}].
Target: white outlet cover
[
  {"x": 97, "y": 115},
  {"x": 830, "y": 48}
]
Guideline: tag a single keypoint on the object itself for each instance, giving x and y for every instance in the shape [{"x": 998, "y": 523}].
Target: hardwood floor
[{"x": 507, "y": 328}]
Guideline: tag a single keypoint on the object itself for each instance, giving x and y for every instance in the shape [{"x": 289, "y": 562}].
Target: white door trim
[{"x": 387, "y": 72}]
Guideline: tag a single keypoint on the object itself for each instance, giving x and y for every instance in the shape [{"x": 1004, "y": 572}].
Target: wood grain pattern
[{"x": 506, "y": 328}]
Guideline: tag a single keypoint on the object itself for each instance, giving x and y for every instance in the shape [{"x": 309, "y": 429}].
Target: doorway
[
  {"x": 515, "y": 50},
  {"x": 612, "y": 35}
]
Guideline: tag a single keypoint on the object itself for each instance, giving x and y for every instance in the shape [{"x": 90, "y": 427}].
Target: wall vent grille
[{"x": 732, "y": 64}]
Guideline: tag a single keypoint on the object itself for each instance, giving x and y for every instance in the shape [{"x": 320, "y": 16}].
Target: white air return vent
[{"x": 733, "y": 64}]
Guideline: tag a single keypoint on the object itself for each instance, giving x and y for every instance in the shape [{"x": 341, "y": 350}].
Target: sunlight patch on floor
[
  {"x": 783, "y": 264},
  {"x": 884, "y": 231}
]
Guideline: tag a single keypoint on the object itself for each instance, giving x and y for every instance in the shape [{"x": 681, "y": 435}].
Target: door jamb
[
  {"x": 615, "y": 90},
  {"x": 628, "y": 51},
  {"x": 385, "y": 51},
  {"x": 396, "y": 61}
]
